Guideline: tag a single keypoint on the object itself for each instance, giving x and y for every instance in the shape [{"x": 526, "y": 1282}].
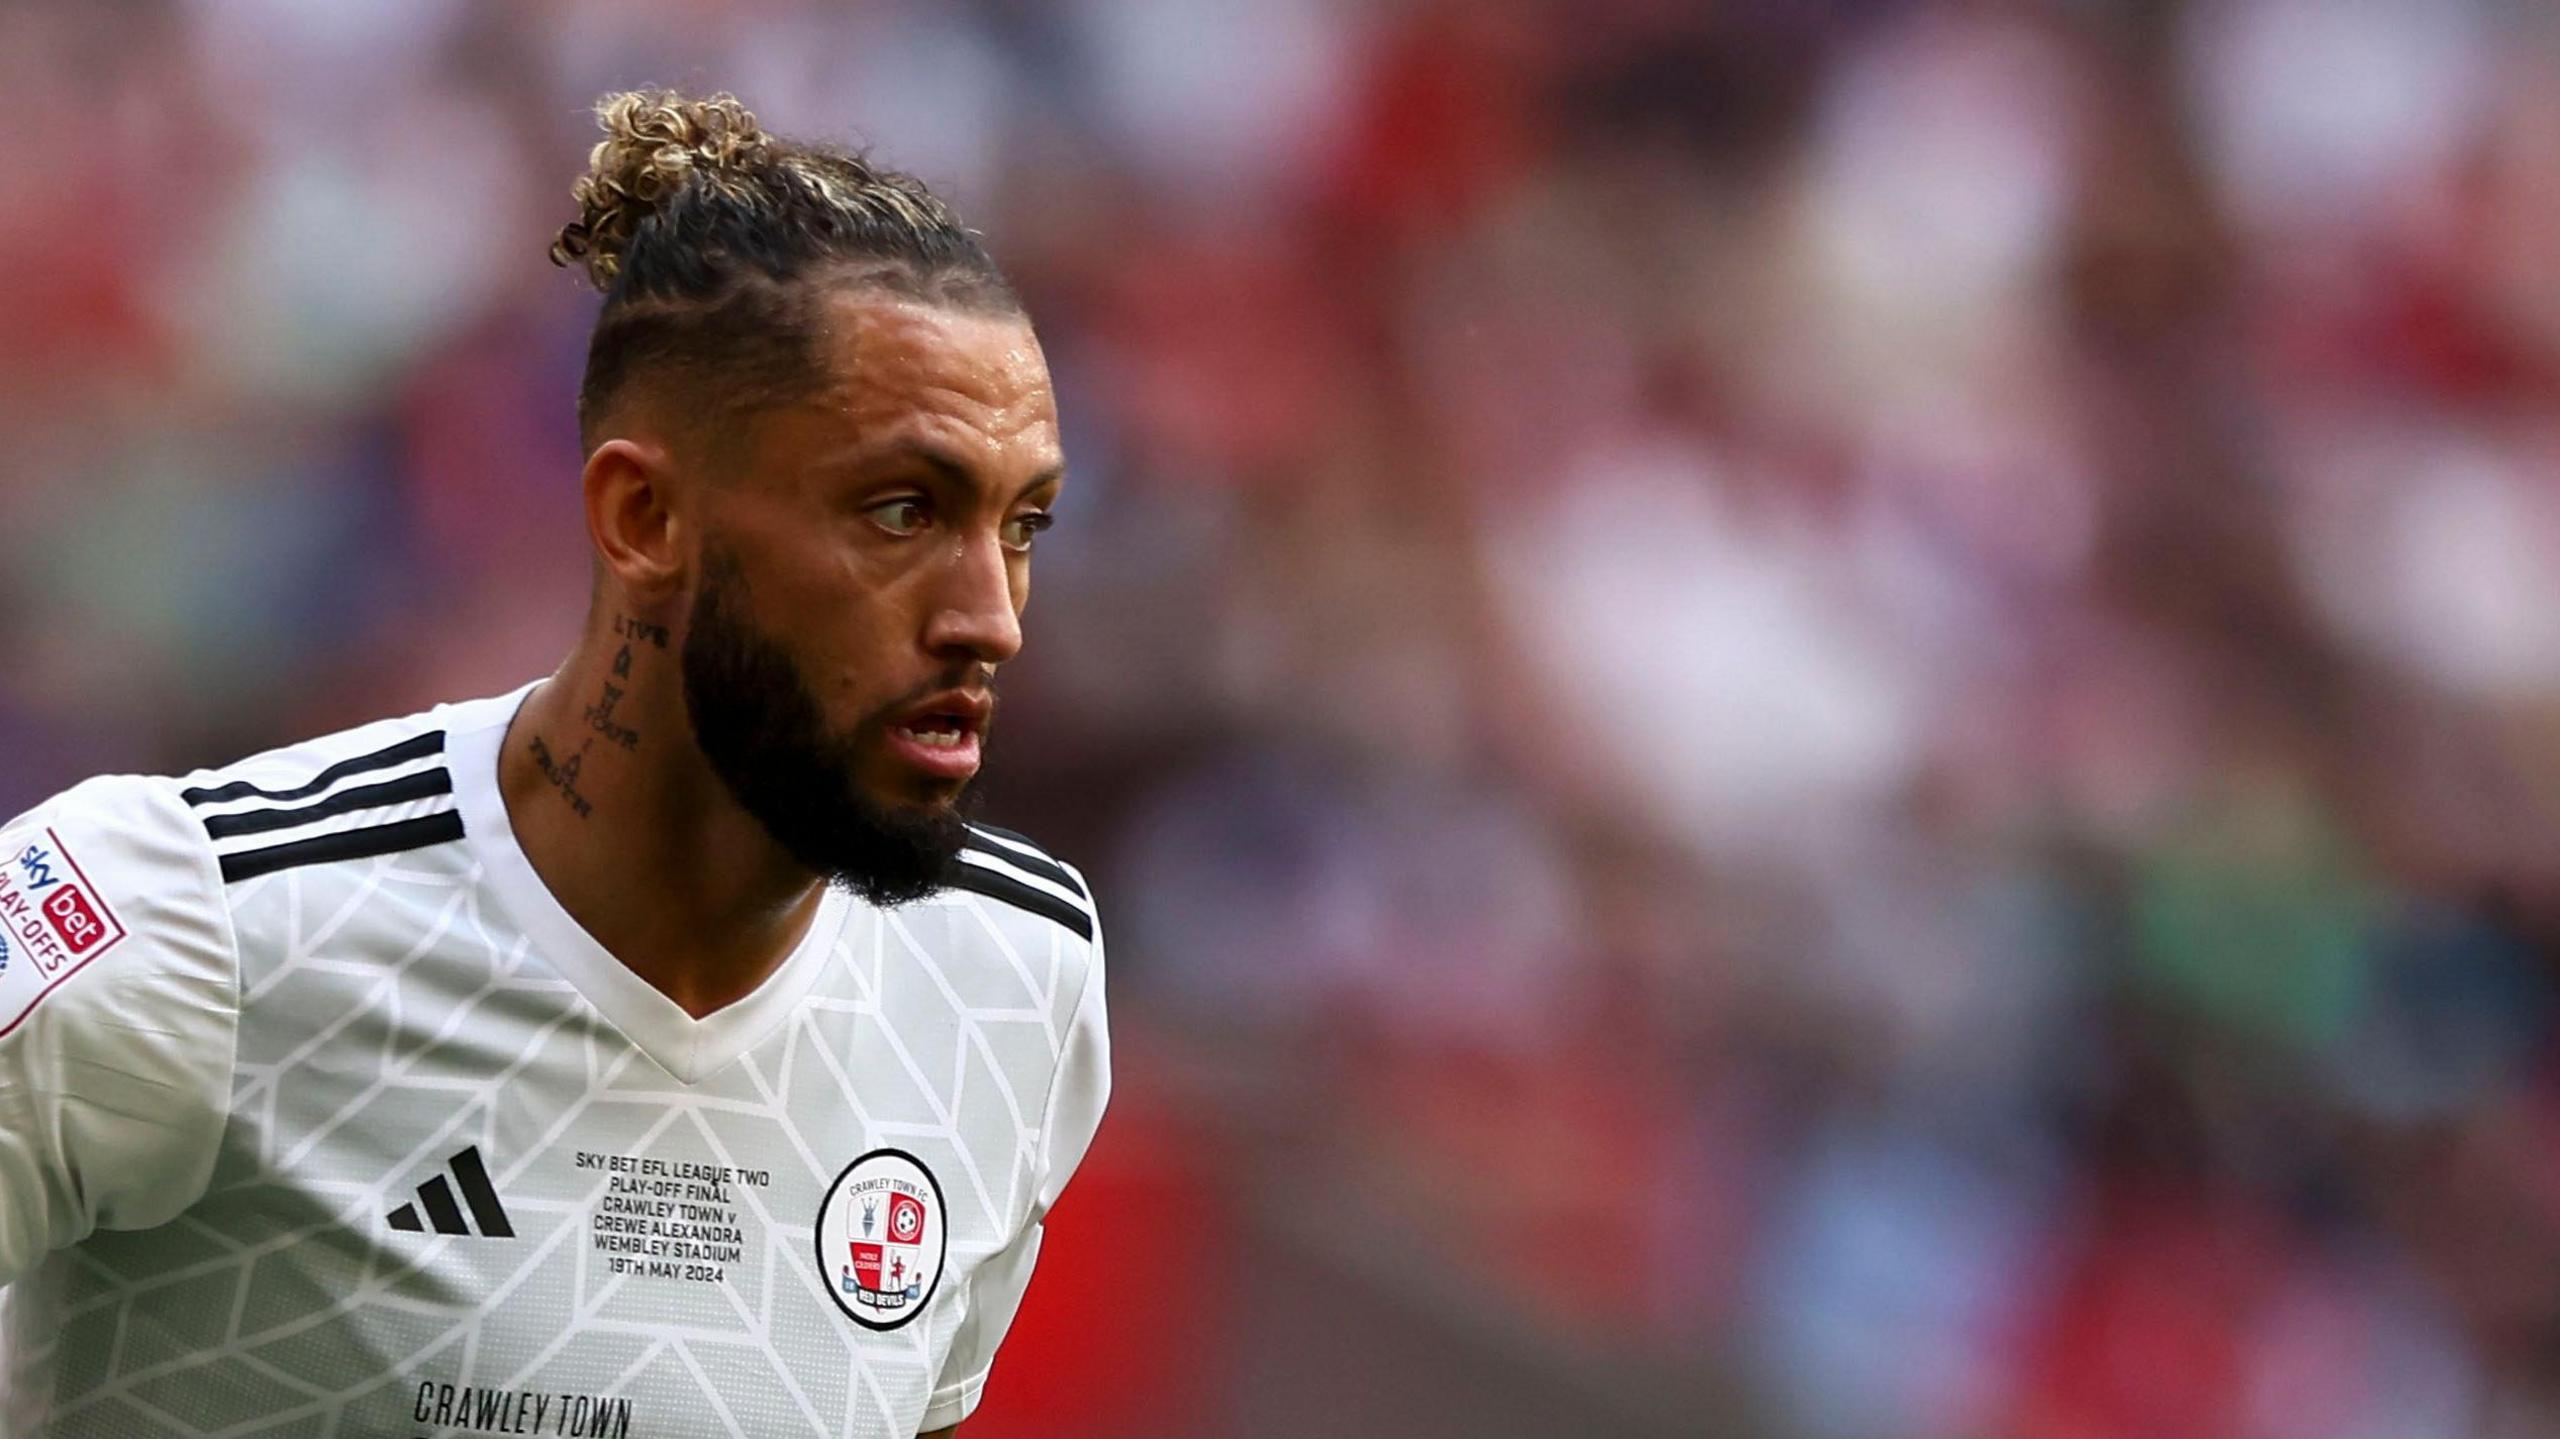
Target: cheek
[
  {"x": 860, "y": 636},
  {"x": 834, "y": 605},
  {"x": 859, "y": 645},
  {"x": 814, "y": 614}
]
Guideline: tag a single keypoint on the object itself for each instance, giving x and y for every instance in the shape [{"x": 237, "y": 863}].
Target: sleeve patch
[{"x": 53, "y": 922}]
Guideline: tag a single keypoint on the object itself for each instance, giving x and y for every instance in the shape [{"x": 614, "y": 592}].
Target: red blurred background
[{"x": 1796, "y": 717}]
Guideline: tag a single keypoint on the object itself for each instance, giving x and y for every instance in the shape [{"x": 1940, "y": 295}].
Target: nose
[{"x": 974, "y": 616}]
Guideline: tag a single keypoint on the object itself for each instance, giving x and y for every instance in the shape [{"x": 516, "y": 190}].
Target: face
[{"x": 863, "y": 569}]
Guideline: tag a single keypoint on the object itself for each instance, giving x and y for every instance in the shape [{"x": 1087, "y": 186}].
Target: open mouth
[
  {"x": 942, "y": 736},
  {"x": 939, "y": 731}
]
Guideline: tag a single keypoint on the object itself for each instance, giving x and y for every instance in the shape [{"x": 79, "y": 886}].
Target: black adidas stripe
[
  {"x": 424, "y": 785},
  {"x": 442, "y": 1212},
  {"x": 977, "y": 879},
  {"x": 385, "y": 839},
  {"x": 418, "y": 747},
  {"x": 481, "y": 1195},
  {"x": 1028, "y": 863}
]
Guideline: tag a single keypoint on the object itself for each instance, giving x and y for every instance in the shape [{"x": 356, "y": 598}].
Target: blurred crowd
[{"x": 1860, "y": 693}]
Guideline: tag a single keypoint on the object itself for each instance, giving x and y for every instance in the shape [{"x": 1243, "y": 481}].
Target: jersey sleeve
[
  {"x": 1078, "y": 1096},
  {"x": 119, "y": 1007}
]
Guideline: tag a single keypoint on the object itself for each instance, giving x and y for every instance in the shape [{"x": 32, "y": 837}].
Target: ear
[{"x": 630, "y": 492}]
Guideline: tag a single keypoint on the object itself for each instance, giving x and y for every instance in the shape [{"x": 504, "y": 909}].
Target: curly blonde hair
[{"x": 656, "y": 141}]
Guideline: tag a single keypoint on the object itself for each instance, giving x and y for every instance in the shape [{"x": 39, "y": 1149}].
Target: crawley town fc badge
[{"x": 882, "y": 1240}]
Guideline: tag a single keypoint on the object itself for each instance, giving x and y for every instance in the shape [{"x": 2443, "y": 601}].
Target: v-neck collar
[{"x": 688, "y": 1048}]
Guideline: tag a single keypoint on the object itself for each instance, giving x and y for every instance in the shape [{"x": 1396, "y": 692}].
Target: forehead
[{"x": 895, "y": 364}]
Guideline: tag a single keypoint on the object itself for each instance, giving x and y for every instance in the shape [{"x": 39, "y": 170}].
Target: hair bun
[{"x": 655, "y": 142}]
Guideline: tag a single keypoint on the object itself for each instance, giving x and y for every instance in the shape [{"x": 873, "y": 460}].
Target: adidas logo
[{"x": 436, "y": 1198}]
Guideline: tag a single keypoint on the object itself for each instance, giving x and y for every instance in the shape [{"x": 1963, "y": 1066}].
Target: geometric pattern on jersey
[{"x": 397, "y": 1015}]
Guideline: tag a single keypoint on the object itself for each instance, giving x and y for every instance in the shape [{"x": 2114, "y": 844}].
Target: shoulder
[
  {"x": 382, "y": 788},
  {"x": 1016, "y": 874},
  {"x": 126, "y": 879},
  {"x": 1023, "y": 889},
  {"x": 119, "y": 970},
  {"x": 118, "y": 895},
  {"x": 119, "y": 1004},
  {"x": 115, "y": 864},
  {"x": 1037, "y": 909}
]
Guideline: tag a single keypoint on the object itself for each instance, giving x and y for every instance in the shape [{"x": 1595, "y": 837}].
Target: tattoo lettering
[
  {"x": 563, "y": 775},
  {"x": 600, "y": 718},
  {"x": 635, "y": 631},
  {"x": 600, "y": 715}
]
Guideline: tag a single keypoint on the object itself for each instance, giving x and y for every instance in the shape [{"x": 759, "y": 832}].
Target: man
[{"x": 653, "y": 1051}]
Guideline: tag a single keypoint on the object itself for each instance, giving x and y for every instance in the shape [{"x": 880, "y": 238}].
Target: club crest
[{"x": 882, "y": 1239}]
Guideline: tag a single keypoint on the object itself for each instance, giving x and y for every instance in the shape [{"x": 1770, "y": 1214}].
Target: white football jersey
[{"x": 319, "y": 1116}]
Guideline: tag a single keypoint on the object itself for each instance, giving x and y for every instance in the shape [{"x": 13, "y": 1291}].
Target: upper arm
[
  {"x": 1078, "y": 1095},
  {"x": 118, "y": 1010}
]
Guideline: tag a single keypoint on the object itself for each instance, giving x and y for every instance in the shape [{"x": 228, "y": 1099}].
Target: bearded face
[{"x": 762, "y": 726}]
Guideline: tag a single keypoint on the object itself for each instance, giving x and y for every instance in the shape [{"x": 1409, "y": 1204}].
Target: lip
[{"x": 953, "y": 762}]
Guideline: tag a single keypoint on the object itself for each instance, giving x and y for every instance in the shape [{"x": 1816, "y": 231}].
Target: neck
[{"x": 633, "y": 832}]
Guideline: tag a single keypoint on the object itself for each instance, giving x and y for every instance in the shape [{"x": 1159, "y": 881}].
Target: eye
[
  {"x": 906, "y": 515},
  {"x": 1019, "y": 530}
]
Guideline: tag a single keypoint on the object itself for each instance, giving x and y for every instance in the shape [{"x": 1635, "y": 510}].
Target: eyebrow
[{"x": 944, "y": 465}]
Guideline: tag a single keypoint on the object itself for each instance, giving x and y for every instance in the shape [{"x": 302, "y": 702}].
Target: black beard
[{"x": 765, "y": 733}]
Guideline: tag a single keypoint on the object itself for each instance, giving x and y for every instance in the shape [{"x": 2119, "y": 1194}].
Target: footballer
[{"x": 653, "y": 1052}]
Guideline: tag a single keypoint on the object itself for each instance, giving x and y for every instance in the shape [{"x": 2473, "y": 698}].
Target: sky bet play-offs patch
[{"x": 53, "y": 922}]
